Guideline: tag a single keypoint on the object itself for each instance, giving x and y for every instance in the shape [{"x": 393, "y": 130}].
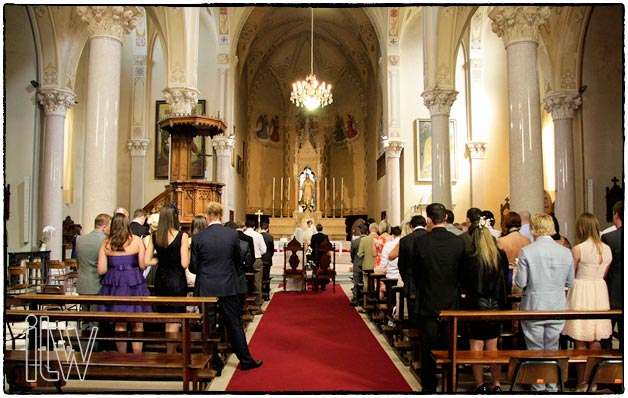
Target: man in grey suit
[
  {"x": 615, "y": 275},
  {"x": 358, "y": 284},
  {"x": 545, "y": 269},
  {"x": 87, "y": 247},
  {"x": 215, "y": 256}
]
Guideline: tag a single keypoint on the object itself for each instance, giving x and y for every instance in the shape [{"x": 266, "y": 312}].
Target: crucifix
[{"x": 259, "y": 218}]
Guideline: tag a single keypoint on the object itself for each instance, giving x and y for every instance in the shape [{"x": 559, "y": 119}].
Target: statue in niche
[{"x": 307, "y": 190}]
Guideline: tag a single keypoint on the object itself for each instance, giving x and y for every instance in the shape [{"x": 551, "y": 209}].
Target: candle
[
  {"x": 281, "y": 192},
  {"x": 325, "y": 201},
  {"x": 333, "y": 194},
  {"x": 288, "y": 198},
  {"x": 273, "y": 191},
  {"x": 342, "y": 193}
]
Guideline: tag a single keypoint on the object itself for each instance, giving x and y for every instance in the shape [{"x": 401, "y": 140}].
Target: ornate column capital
[
  {"x": 223, "y": 145},
  {"x": 518, "y": 23},
  {"x": 393, "y": 146},
  {"x": 439, "y": 101},
  {"x": 477, "y": 149},
  {"x": 109, "y": 21},
  {"x": 562, "y": 105},
  {"x": 181, "y": 100},
  {"x": 56, "y": 101},
  {"x": 137, "y": 146}
]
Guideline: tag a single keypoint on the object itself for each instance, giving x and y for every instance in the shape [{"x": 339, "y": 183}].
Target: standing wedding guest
[
  {"x": 121, "y": 210},
  {"x": 437, "y": 256},
  {"x": 138, "y": 224},
  {"x": 258, "y": 251},
  {"x": 589, "y": 291},
  {"x": 615, "y": 275},
  {"x": 215, "y": 258},
  {"x": 358, "y": 284},
  {"x": 485, "y": 287},
  {"x": 545, "y": 269},
  {"x": 198, "y": 224},
  {"x": 87, "y": 249},
  {"x": 387, "y": 264},
  {"x": 173, "y": 257},
  {"x": 246, "y": 263},
  {"x": 267, "y": 259},
  {"x": 525, "y": 224},
  {"x": 511, "y": 242},
  {"x": 151, "y": 268},
  {"x": 121, "y": 261},
  {"x": 560, "y": 239}
]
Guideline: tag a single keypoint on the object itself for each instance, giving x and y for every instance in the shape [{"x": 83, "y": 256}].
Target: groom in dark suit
[
  {"x": 437, "y": 257},
  {"x": 215, "y": 255},
  {"x": 318, "y": 238}
]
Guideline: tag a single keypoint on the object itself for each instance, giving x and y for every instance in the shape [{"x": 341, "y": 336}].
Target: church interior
[{"x": 471, "y": 105}]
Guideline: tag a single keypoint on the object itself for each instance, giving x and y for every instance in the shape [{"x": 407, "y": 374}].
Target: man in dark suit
[
  {"x": 358, "y": 284},
  {"x": 267, "y": 259},
  {"x": 615, "y": 275},
  {"x": 138, "y": 224},
  {"x": 405, "y": 252},
  {"x": 437, "y": 257},
  {"x": 318, "y": 238},
  {"x": 215, "y": 256}
]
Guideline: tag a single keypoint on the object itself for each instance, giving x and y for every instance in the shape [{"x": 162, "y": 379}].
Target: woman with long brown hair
[
  {"x": 121, "y": 261},
  {"x": 483, "y": 280},
  {"x": 173, "y": 257},
  {"x": 589, "y": 291}
]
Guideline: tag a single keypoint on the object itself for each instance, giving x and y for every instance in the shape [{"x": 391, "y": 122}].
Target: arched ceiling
[{"x": 276, "y": 40}]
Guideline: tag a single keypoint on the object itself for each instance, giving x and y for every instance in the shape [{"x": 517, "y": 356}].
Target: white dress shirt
[{"x": 258, "y": 242}]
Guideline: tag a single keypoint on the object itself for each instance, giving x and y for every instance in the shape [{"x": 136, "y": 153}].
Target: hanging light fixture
[{"x": 309, "y": 92}]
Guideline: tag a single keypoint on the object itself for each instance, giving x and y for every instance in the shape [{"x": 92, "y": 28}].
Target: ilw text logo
[{"x": 61, "y": 353}]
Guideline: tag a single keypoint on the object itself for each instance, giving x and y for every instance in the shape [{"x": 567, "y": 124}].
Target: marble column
[
  {"x": 55, "y": 103},
  {"x": 439, "y": 103},
  {"x": 562, "y": 107},
  {"x": 519, "y": 27},
  {"x": 393, "y": 147},
  {"x": 106, "y": 26},
  {"x": 137, "y": 147},
  {"x": 223, "y": 146},
  {"x": 477, "y": 151}
]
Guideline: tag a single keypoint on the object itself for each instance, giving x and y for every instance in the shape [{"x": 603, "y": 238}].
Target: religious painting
[
  {"x": 345, "y": 130},
  {"x": 266, "y": 130},
  {"x": 162, "y": 145},
  {"x": 423, "y": 148}
]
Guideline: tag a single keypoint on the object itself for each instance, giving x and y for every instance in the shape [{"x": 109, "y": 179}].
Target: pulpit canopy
[{"x": 193, "y": 125}]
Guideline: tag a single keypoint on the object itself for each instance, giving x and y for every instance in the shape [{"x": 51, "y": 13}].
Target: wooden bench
[
  {"x": 207, "y": 341},
  {"x": 138, "y": 366},
  {"x": 451, "y": 358}
]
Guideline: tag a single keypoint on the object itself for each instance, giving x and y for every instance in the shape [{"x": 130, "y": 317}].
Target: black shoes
[
  {"x": 252, "y": 365},
  {"x": 353, "y": 303},
  {"x": 483, "y": 389}
]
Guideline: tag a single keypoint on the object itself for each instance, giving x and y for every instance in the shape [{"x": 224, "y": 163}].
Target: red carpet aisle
[{"x": 316, "y": 342}]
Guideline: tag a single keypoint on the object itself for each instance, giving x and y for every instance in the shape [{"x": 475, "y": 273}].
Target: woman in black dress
[
  {"x": 173, "y": 257},
  {"x": 485, "y": 286}
]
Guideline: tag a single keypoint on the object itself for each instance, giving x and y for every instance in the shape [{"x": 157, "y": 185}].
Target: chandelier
[{"x": 309, "y": 92}]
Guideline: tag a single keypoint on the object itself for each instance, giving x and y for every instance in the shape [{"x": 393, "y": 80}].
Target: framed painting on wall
[
  {"x": 162, "y": 145},
  {"x": 423, "y": 148}
]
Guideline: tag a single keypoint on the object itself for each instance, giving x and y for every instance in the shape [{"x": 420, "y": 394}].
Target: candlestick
[
  {"x": 273, "y": 206},
  {"x": 342, "y": 193},
  {"x": 288, "y": 198},
  {"x": 325, "y": 200},
  {"x": 281, "y": 197}
]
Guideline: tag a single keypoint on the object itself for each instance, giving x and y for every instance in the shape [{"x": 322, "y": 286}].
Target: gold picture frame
[{"x": 423, "y": 150}]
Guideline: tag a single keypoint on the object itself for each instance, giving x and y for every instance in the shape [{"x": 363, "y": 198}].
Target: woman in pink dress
[{"x": 589, "y": 291}]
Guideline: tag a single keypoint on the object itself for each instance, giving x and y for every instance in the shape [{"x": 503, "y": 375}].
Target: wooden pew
[
  {"x": 453, "y": 357},
  {"x": 140, "y": 366}
]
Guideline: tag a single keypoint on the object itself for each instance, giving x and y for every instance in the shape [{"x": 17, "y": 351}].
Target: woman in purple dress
[{"x": 121, "y": 261}]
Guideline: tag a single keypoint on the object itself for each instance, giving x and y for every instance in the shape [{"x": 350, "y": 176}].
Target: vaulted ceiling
[{"x": 276, "y": 40}]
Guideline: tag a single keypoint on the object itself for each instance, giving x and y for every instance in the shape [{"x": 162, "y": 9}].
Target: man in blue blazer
[
  {"x": 215, "y": 255},
  {"x": 545, "y": 270}
]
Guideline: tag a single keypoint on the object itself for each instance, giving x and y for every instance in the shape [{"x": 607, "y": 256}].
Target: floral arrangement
[{"x": 46, "y": 234}]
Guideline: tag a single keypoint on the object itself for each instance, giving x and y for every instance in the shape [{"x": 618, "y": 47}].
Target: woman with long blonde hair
[
  {"x": 589, "y": 291},
  {"x": 484, "y": 283}
]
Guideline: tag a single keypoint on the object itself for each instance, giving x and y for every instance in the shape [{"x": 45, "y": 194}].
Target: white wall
[{"x": 22, "y": 124}]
